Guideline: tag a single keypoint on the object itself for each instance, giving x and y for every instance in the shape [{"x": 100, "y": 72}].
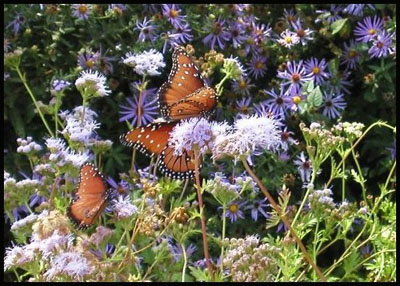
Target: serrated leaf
[
  {"x": 357, "y": 177},
  {"x": 338, "y": 25},
  {"x": 315, "y": 97},
  {"x": 199, "y": 274}
]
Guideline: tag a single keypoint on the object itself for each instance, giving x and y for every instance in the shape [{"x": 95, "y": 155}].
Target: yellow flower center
[
  {"x": 242, "y": 84},
  {"x": 371, "y": 32},
  {"x": 352, "y": 54},
  {"x": 296, "y": 99},
  {"x": 316, "y": 70},
  {"x": 259, "y": 65},
  {"x": 233, "y": 208},
  {"x": 82, "y": 9},
  {"x": 173, "y": 13},
  {"x": 89, "y": 64},
  {"x": 288, "y": 39}
]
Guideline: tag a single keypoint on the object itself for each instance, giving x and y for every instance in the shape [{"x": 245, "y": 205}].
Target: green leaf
[
  {"x": 338, "y": 25},
  {"x": 308, "y": 86},
  {"x": 333, "y": 66},
  {"x": 199, "y": 274},
  {"x": 315, "y": 97}
]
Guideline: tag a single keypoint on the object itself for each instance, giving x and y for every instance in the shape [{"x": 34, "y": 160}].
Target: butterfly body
[
  {"x": 184, "y": 95},
  {"x": 90, "y": 197}
]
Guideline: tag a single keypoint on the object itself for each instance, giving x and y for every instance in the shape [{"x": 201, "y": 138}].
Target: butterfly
[
  {"x": 90, "y": 197},
  {"x": 185, "y": 94}
]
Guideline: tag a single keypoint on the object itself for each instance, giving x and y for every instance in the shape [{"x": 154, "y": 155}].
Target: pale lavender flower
[
  {"x": 173, "y": 15},
  {"x": 289, "y": 16},
  {"x": 242, "y": 86},
  {"x": 29, "y": 220},
  {"x": 233, "y": 211},
  {"x": 237, "y": 34},
  {"x": 81, "y": 11},
  {"x": 317, "y": 70},
  {"x": 304, "y": 167},
  {"x": 79, "y": 130},
  {"x": 340, "y": 82},
  {"x": 304, "y": 35},
  {"x": 243, "y": 105},
  {"x": 287, "y": 140},
  {"x": 257, "y": 206},
  {"x": 260, "y": 32},
  {"x": 288, "y": 39},
  {"x": 70, "y": 263},
  {"x": 382, "y": 45},
  {"x": 357, "y": 9},
  {"x": 279, "y": 103},
  {"x": 59, "y": 85},
  {"x": 55, "y": 144},
  {"x": 146, "y": 62},
  {"x": 295, "y": 75},
  {"x": 177, "y": 251},
  {"x": 332, "y": 104},
  {"x": 17, "y": 22},
  {"x": 368, "y": 29},
  {"x": 123, "y": 207},
  {"x": 189, "y": 133},
  {"x": 27, "y": 145},
  {"x": 333, "y": 15},
  {"x": 143, "y": 109},
  {"x": 392, "y": 150},
  {"x": 74, "y": 158},
  {"x": 217, "y": 34},
  {"x": 147, "y": 31},
  {"x": 257, "y": 66},
  {"x": 16, "y": 256},
  {"x": 350, "y": 55},
  {"x": 88, "y": 59}
]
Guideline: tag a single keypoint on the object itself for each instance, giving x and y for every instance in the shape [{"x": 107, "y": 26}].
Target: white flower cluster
[
  {"x": 233, "y": 66},
  {"x": 92, "y": 83},
  {"x": 147, "y": 62},
  {"x": 27, "y": 145},
  {"x": 79, "y": 130},
  {"x": 123, "y": 207},
  {"x": 24, "y": 222},
  {"x": 321, "y": 197},
  {"x": 62, "y": 156}
]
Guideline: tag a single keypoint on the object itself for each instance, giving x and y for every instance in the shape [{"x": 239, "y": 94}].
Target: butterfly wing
[
  {"x": 200, "y": 102},
  {"x": 153, "y": 140},
  {"x": 184, "y": 79},
  {"x": 90, "y": 197}
]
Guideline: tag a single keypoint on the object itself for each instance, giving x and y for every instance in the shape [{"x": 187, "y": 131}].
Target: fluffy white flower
[
  {"x": 147, "y": 62},
  {"x": 93, "y": 83},
  {"x": 23, "y": 222},
  {"x": 123, "y": 207}
]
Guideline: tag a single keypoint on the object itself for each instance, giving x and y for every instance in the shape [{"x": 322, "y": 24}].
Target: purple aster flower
[
  {"x": 366, "y": 250},
  {"x": 147, "y": 30},
  {"x": 250, "y": 45},
  {"x": 350, "y": 55},
  {"x": 340, "y": 82},
  {"x": 20, "y": 212},
  {"x": 304, "y": 167},
  {"x": 16, "y": 23},
  {"x": 257, "y": 206},
  {"x": 332, "y": 104},
  {"x": 381, "y": 46},
  {"x": 296, "y": 75},
  {"x": 333, "y": 15},
  {"x": 237, "y": 34},
  {"x": 177, "y": 253},
  {"x": 218, "y": 34},
  {"x": 279, "y": 103},
  {"x": 368, "y": 29},
  {"x": 243, "y": 105},
  {"x": 242, "y": 86},
  {"x": 357, "y": 9},
  {"x": 257, "y": 66},
  {"x": 170, "y": 40},
  {"x": 317, "y": 70},
  {"x": 36, "y": 200},
  {"x": 81, "y": 11},
  {"x": 173, "y": 14},
  {"x": 121, "y": 188},
  {"x": 392, "y": 150},
  {"x": 303, "y": 34},
  {"x": 288, "y": 39},
  {"x": 183, "y": 34},
  {"x": 233, "y": 211},
  {"x": 260, "y": 32},
  {"x": 289, "y": 16},
  {"x": 281, "y": 227},
  {"x": 88, "y": 59},
  {"x": 287, "y": 140},
  {"x": 140, "y": 109},
  {"x": 104, "y": 63}
]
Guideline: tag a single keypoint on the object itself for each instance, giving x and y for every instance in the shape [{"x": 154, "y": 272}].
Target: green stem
[
  {"x": 361, "y": 175},
  {"x": 223, "y": 235},
  {"x": 218, "y": 87},
  {"x": 390, "y": 175},
  {"x": 343, "y": 180},
  {"x": 34, "y": 101},
  {"x": 184, "y": 263}
]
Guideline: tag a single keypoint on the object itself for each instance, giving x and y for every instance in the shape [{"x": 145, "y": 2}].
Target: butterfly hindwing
[{"x": 90, "y": 198}]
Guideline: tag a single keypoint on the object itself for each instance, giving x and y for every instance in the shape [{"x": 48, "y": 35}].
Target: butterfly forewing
[
  {"x": 150, "y": 139},
  {"x": 184, "y": 79},
  {"x": 90, "y": 197}
]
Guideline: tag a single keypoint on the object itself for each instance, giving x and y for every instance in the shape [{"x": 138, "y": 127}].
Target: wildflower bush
[{"x": 294, "y": 175}]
